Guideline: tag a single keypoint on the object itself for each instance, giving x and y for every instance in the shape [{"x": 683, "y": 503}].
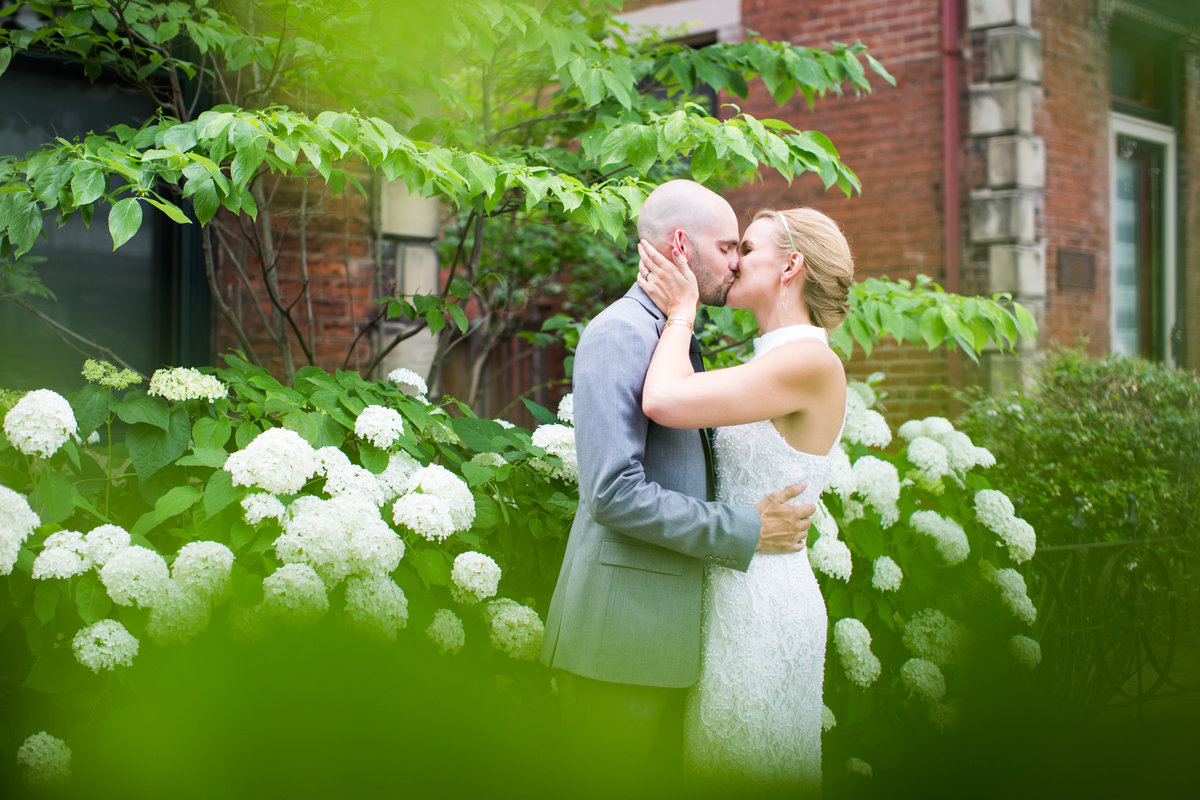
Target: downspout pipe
[{"x": 951, "y": 141}]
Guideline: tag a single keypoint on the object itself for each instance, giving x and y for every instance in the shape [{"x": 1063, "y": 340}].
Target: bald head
[
  {"x": 684, "y": 205},
  {"x": 701, "y": 224}
]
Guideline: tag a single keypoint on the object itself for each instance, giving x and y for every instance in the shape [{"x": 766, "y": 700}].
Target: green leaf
[
  {"x": 220, "y": 492},
  {"x": 151, "y": 448},
  {"x": 372, "y": 457},
  {"x": 539, "y": 413},
  {"x": 211, "y": 434},
  {"x": 144, "y": 408},
  {"x": 91, "y": 599},
  {"x": 55, "y": 495},
  {"x": 88, "y": 184},
  {"x": 45, "y": 600},
  {"x": 124, "y": 220},
  {"x": 91, "y": 407},
  {"x": 204, "y": 457},
  {"x": 6, "y": 56},
  {"x": 170, "y": 209}
]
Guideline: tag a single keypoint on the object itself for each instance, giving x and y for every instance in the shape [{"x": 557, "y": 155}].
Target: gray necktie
[{"x": 706, "y": 434}]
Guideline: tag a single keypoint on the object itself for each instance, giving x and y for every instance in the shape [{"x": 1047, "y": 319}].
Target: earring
[{"x": 783, "y": 293}]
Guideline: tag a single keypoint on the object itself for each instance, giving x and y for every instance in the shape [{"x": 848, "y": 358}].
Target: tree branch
[{"x": 63, "y": 332}]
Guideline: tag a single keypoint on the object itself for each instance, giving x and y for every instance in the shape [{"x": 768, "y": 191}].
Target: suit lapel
[{"x": 706, "y": 434}]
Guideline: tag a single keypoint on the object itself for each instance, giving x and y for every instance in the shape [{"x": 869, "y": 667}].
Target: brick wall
[
  {"x": 892, "y": 139},
  {"x": 1072, "y": 118}
]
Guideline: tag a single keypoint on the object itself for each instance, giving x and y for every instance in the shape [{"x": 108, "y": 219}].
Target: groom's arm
[{"x": 610, "y": 437}]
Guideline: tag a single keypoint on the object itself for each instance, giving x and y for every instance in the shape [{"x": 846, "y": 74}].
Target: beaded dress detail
[{"x": 755, "y": 713}]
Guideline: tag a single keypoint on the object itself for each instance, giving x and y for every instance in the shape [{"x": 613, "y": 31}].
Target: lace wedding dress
[{"x": 755, "y": 714}]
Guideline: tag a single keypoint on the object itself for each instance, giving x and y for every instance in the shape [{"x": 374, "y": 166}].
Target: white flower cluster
[
  {"x": 514, "y": 629},
  {"x": 104, "y": 542},
  {"x": 944, "y": 716},
  {"x": 394, "y": 478},
  {"x": 260, "y": 506},
  {"x": 878, "y": 483},
  {"x": 887, "y": 575},
  {"x": 474, "y": 577},
  {"x": 135, "y": 576},
  {"x": 486, "y": 459},
  {"x": 352, "y": 480},
  {"x": 105, "y": 645},
  {"x": 828, "y": 720},
  {"x": 924, "y": 678},
  {"x": 961, "y": 453},
  {"x": 557, "y": 440},
  {"x": 1026, "y": 651},
  {"x": 407, "y": 379},
  {"x": 376, "y": 605},
  {"x": 205, "y": 568},
  {"x": 841, "y": 482},
  {"x": 17, "y": 521},
  {"x": 1014, "y": 594},
  {"x": 62, "y": 556},
  {"x": 106, "y": 374},
  {"x": 40, "y": 423},
  {"x": 852, "y": 641},
  {"x": 864, "y": 425},
  {"x": 566, "y": 409},
  {"x": 379, "y": 425},
  {"x": 948, "y": 536},
  {"x": 185, "y": 383},
  {"x": 277, "y": 460},
  {"x": 435, "y": 504},
  {"x": 931, "y": 635},
  {"x": 45, "y": 760},
  {"x": 446, "y": 631},
  {"x": 931, "y": 459},
  {"x": 182, "y": 613},
  {"x": 295, "y": 594},
  {"x": 995, "y": 511},
  {"x": 857, "y": 766},
  {"x": 830, "y": 555},
  {"x": 338, "y": 537}
]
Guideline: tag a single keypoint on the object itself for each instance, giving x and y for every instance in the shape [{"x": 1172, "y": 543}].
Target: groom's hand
[{"x": 784, "y": 527}]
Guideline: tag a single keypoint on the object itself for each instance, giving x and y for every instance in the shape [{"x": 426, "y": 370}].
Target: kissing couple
[{"x": 687, "y": 630}]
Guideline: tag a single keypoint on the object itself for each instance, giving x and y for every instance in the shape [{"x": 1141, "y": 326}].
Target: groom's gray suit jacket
[{"x": 627, "y": 605}]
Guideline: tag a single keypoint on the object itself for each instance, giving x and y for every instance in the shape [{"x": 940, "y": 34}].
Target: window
[{"x": 1142, "y": 263}]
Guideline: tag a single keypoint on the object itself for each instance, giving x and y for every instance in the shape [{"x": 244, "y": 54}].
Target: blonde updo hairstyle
[{"x": 828, "y": 265}]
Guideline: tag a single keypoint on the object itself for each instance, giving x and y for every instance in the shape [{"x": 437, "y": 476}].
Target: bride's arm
[{"x": 791, "y": 377}]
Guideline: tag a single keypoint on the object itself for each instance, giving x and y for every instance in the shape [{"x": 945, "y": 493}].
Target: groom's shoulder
[{"x": 625, "y": 310}]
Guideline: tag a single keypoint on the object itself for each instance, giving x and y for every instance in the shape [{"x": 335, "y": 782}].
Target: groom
[{"x": 623, "y": 628}]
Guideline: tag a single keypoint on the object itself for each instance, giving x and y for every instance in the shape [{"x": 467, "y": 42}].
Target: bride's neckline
[{"x": 788, "y": 333}]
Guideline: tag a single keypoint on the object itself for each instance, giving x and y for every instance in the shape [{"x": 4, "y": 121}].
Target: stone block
[
  {"x": 1001, "y": 108},
  {"x": 1014, "y": 54},
  {"x": 1019, "y": 270},
  {"x": 407, "y": 215},
  {"x": 1005, "y": 216},
  {"x": 1016, "y": 161},
  {"x": 997, "y": 13}
]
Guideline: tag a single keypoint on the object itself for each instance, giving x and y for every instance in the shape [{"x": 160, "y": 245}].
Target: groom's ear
[{"x": 678, "y": 239}]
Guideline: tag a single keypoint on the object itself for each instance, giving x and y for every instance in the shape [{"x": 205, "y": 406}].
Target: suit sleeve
[{"x": 610, "y": 436}]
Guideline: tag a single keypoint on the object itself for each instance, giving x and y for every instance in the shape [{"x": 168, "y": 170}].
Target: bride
[{"x": 755, "y": 714}]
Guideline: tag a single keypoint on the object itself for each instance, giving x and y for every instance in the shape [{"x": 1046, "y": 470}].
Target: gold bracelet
[{"x": 678, "y": 321}]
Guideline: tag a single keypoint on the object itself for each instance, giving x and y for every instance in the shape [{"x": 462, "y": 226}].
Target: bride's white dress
[{"x": 755, "y": 713}]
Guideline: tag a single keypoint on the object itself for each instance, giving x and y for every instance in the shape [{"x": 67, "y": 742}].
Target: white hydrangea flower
[
  {"x": 105, "y": 645},
  {"x": 931, "y": 635},
  {"x": 503, "y": 423},
  {"x": 338, "y": 537},
  {"x": 911, "y": 429},
  {"x": 446, "y": 631},
  {"x": 185, "y": 383},
  {"x": 823, "y": 522},
  {"x": 277, "y": 461},
  {"x": 852, "y": 641},
  {"x": 394, "y": 479},
  {"x": 865, "y": 426},
  {"x": 514, "y": 629},
  {"x": 135, "y": 576},
  {"x": 887, "y": 575},
  {"x": 440, "y": 429},
  {"x": 261, "y": 505},
  {"x": 488, "y": 460},
  {"x": 1025, "y": 650},
  {"x": 948, "y": 536},
  {"x": 205, "y": 568},
  {"x": 828, "y": 720},
  {"x": 436, "y": 503},
  {"x": 936, "y": 427},
  {"x": 831, "y": 556},
  {"x": 45, "y": 761},
  {"x": 557, "y": 440},
  {"x": 105, "y": 374},
  {"x": 866, "y": 395},
  {"x": 374, "y": 549},
  {"x": 924, "y": 678},
  {"x": 475, "y": 577},
  {"x": 930, "y": 457},
  {"x": 960, "y": 449},
  {"x": 40, "y": 423},
  {"x": 62, "y": 556},
  {"x": 1014, "y": 594},
  {"x": 984, "y": 457},
  {"x": 841, "y": 482},
  {"x": 407, "y": 380},
  {"x": 330, "y": 458},
  {"x": 351, "y": 479},
  {"x": 249, "y": 624},
  {"x": 102, "y": 543},
  {"x": 944, "y": 716},
  {"x": 859, "y": 767},
  {"x": 379, "y": 425},
  {"x": 878, "y": 483},
  {"x": 181, "y": 614},
  {"x": 566, "y": 409},
  {"x": 377, "y": 606},
  {"x": 995, "y": 511},
  {"x": 17, "y": 521},
  {"x": 295, "y": 593}
]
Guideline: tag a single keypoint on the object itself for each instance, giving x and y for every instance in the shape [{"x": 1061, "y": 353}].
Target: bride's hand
[{"x": 670, "y": 284}]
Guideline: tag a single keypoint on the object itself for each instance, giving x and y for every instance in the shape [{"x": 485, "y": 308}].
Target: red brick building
[{"x": 1046, "y": 149}]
